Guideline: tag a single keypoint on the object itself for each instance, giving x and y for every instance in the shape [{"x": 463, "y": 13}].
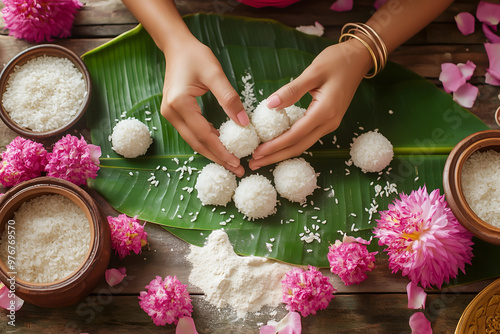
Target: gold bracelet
[{"x": 356, "y": 29}]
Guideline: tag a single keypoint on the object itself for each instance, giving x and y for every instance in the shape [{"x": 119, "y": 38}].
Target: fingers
[
  {"x": 228, "y": 98},
  {"x": 291, "y": 92}
]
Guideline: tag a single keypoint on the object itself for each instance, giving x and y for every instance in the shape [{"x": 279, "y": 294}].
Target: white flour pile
[{"x": 246, "y": 283}]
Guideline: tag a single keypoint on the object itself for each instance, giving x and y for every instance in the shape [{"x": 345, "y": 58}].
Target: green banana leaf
[{"x": 422, "y": 122}]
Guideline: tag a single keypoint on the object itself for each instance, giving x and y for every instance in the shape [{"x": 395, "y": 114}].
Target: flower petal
[
  {"x": 491, "y": 79},
  {"x": 419, "y": 324},
  {"x": 493, "y": 71},
  {"x": 115, "y": 276},
  {"x": 416, "y": 296},
  {"x": 451, "y": 77},
  {"x": 466, "y": 95},
  {"x": 465, "y": 23},
  {"x": 467, "y": 69},
  {"x": 95, "y": 153},
  {"x": 186, "y": 326},
  {"x": 488, "y": 12},
  {"x": 290, "y": 324},
  {"x": 317, "y": 29},
  {"x": 6, "y": 300},
  {"x": 342, "y": 5},
  {"x": 490, "y": 34}
]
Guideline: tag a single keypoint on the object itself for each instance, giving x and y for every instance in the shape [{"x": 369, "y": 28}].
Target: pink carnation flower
[
  {"x": 166, "y": 300},
  {"x": 424, "y": 239},
  {"x": 350, "y": 259},
  {"x": 74, "y": 160},
  {"x": 306, "y": 291},
  {"x": 127, "y": 235},
  {"x": 40, "y": 20},
  {"x": 22, "y": 160}
]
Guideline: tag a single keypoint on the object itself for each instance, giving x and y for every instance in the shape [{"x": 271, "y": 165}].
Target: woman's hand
[
  {"x": 331, "y": 79},
  {"x": 191, "y": 71}
]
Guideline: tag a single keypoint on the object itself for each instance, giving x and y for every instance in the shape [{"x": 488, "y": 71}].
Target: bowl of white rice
[
  {"x": 54, "y": 242},
  {"x": 471, "y": 181},
  {"x": 44, "y": 91}
]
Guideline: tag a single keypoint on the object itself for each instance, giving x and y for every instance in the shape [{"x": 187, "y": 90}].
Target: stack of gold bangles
[{"x": 364, "y": 33}]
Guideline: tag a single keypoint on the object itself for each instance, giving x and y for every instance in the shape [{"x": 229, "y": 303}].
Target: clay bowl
[
  {"x": 34, "y": 52},
  {"x": 452, "y": 182},
  {"x": 77, "y": 285}
]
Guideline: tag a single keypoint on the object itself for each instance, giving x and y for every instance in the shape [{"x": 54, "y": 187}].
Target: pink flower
[
  {"x": 419, "y": 324},
  {"x": 74, "y": 160},
  {"x": 127, "y": 235},
  {"x": 351, "y": 260},
  {"x": 424, "y": 239},
  {"x": 290, "y": 324},
  {"x": 22, "y": 160},
  {"x": 465, "y": 23},
  {"x": 40, "y": 20},
  {"x": 416, "y": 296},
  {"x": 8, "y": 300},
  {"x": 115, "y": 276},
  {"x": 306, "y": 291},
  {"x": 166, "y": 300},
  {"x": 342, "y": 5},
  {"x": 493, "y": 71},
  {"x": 454, "y": 79}
]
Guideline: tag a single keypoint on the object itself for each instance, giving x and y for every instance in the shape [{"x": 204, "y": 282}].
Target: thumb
[
  {"x": 289, "y": 93},
  {"x": 229, "y": 100}
]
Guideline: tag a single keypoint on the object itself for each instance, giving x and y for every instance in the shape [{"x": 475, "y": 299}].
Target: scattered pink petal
[
  {"x": 379, "y": 3},
  {"x": 451, "y": 77},
  {"x": 290, "y": 324},
  {"x": 127, "y": 235},
  {"x": 115, "y": 276},
  {"x": 342, "y": 5},
  {"x": 419, "y": 324},
  {"x": 465, "y": 23},
  {"x": 8, "y": 300},
  {"x": 488, "y": 12},
  {"x": 467, "y": 69},
  {"x": 491, "y": 80},
  {"x": 490, "y": 34},
  {"x": 416, "y": 296},
  {"x": 493, "y": 71},
  {"x": 186, "y": 326},
  {"x": 466, "y": 95},
  {"x": 317, "y": 29}
]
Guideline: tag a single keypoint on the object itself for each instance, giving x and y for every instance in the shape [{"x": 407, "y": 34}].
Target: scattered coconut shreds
[
  {"x": 309, "y": 250},
  {"x": 269, "y": 246},
  {"x": 163, "y": 209},
  {"x": 416, "y": 179},
  {"x": 130, "y": 173},
  {"x": 391, "y": 112},
  {"x": 248, "y": 96}
]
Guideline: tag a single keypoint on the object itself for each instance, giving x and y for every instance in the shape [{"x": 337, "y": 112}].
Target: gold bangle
[
  {"x": 364, "y": 30},
  {"x": 374, "y": 57}
]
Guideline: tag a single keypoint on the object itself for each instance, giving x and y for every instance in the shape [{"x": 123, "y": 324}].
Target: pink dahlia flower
[
  {"x": 127, "y": 235},
  {"x": 424, "y": 239},
  {"x": 166, "y": 300},
  {"x": 74, "y": 160},
  {"x": 22, "y": 160},
  {"x": 306, "y": 291},
  {"x": 40, "y": 20},
  {"x": 350, "y": 259}
]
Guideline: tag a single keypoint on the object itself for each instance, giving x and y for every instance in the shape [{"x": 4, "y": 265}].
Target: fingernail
[
  {"x": 233, "y": 164},
  {"x": 257, "y": 157},
  {"x": 243, "y": 118},
  {"x": 273, "y": 101}
]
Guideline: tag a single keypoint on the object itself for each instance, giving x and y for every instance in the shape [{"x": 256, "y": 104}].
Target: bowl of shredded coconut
[
  {"x": 471, "y": 181},
  {"x": 56, "y": 240},
  {"x": 45, "y": 90}
]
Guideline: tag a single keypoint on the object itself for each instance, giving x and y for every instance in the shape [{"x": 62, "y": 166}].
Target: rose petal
[
  {"x": 379, "y": 3},
  {"x": 317, "y": 29},
  {"x": 488, "y": 12},
  {"x": 342, "y": 5},
  {"x": 186, "y": 326},
  {"x": 493, "y": 52},
  {"x": 465, "y": 23},
  {"x": 491, "y": 79},
  {"x": 419, "y": 324},
  {"x": 466, "y": 95},
  {"x": 290, "y": 324},
  {"x": 6, "y": 300},
  {"x": 268, "y": 329},
  {"x": 451, "y": 77},
  {"x": 115, "y": 276},
  {"x": 416, "y": 296},
  {"x": 490, "y": 34},
  {"x": 467, "y": 69},
  {"x": 95, "y": 153}
]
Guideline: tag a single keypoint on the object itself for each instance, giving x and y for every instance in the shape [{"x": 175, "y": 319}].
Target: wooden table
[{"x": 379, "y": 305}]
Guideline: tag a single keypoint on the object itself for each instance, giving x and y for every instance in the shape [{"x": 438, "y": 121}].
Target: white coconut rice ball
[
  {"x": 294, "y": 113},
  {"x": 255, "y": 197},
  {"x": 269, "y": 123},
  {"x": 215, "y": 185},
  {"x": 239, "y": 140},
  {"x": 131, "y": 138},
  {"x": 371, "y": 152},
  {"x": 295, "y": 179}
]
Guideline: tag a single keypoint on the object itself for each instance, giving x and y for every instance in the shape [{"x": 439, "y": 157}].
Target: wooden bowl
[
  {"x": 34, "y": 52},
  {"x": 452, "y": 182},
  {"x": 74, "y": 287},
  {"x": 482, "y": 314}
]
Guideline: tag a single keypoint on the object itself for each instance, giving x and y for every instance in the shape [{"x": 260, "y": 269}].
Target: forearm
[
  {"x": 161, "y": 19},
  {"x": 398, "y": 20}
]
